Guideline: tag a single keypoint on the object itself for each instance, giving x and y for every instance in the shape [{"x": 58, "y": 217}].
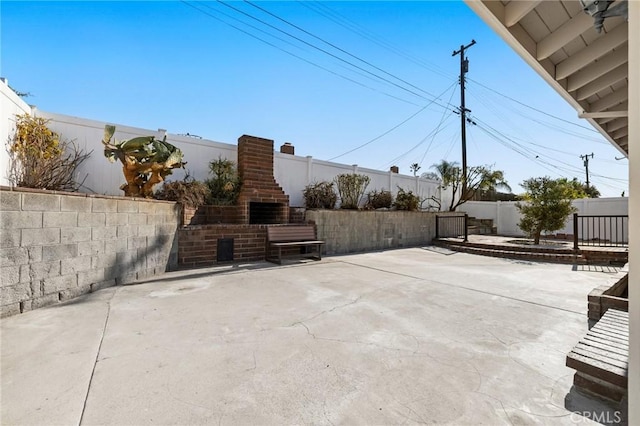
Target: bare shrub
[
  {"x": 351, "y": 188},
  {"x": 406, "y": 200},
  {"x": 188, "y": 192},
  {"x": 320, "y": 195},
  {"x": 379, "y": 199},
  {"x": 39, "y": 158}
]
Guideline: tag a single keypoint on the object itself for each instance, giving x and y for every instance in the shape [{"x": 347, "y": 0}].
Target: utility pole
[
  {"x": 464, "y": 68},
  {"x": 586, "y": 165}
]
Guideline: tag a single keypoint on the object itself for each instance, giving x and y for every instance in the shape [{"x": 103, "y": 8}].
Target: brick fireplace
[
  {"x": 261, "y": 200},
  {"x": 238, "y": 233}
]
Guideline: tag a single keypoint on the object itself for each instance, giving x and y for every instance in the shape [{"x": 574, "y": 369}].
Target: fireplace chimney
[
  {"x": 261, "y": 199},
  {"x": 287, "y": 148}
]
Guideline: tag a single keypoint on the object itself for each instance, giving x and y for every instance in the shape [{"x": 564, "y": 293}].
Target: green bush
[
  {"x": 320, "y": 195},
  {"x": 225, "y": 185},
  {"x": 188, "y": 192},
  {"x": 406, "y": 200},
  {"x": 351, "y": 188},
  {"x": 379, "y": 199}
]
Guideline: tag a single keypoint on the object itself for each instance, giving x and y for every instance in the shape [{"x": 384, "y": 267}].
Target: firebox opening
[{"x": 264, "y": 213}]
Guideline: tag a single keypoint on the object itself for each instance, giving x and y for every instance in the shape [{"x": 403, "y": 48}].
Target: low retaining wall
[
  {"x": 56, "y": 246},
  {"x": 198, "y": 244},
  {"x": 344, "y": 231},
  {"x": 611, "y": 295},
  {"x": 349, "y": 231}
]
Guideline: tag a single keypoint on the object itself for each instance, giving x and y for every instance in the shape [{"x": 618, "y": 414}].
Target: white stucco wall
[
  {"x": 506, "y": 216},
  {"x": 10, "y": 105}
]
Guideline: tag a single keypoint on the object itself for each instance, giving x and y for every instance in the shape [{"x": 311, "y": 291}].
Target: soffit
[{"x": 588, "y": 69}]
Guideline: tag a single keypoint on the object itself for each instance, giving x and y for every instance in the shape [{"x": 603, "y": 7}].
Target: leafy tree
[
  {"x": 430, "y": 176},
  {"x": 581, "y": 189},
  {"x": 414, "y": 168},
  {"x": 225, "y": 184},
  {"x": 591, "y": 191},
  {"x": 546, "y": 205},
  {"x": 478, "y": 178},
  {"x": 320, "y": 195}
]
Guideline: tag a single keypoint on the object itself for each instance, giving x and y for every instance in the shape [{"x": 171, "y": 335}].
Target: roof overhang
[{"x": 560, "y": 42}]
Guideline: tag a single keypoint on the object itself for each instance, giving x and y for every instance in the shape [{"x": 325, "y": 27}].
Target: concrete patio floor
[{"x": 419, "y": 335}]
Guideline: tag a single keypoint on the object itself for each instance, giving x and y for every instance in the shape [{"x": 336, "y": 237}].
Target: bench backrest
[{"x": 282, "y": 234}]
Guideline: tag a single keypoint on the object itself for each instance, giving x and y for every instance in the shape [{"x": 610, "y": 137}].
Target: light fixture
[{"x": 600, "y": 10}]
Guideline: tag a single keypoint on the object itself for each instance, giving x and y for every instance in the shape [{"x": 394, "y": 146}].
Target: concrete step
[
  {"x": 522, "y": 249},
  {"x": 506, "y": 253}
]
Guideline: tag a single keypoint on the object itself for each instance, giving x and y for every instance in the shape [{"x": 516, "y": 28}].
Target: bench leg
[{"x": 279, "y": 255}]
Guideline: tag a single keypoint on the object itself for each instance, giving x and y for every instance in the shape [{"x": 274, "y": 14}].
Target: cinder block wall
[
  {"x": 350, "y": 231},
  {"x": 56, "y": 246}
]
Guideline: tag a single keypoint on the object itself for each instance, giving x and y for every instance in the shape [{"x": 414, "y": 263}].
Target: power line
[
  {"x": 434, "y": 132},
  {"x": 338, "y": 48},
  {"x": 442, "y": 117},
  {"x": 452, "y": 143},
  {"x": 290, "y": 53},
  {"x": 557, "y": 170},
  {"x": 569, "y": 168},
  {"x": 332, "y": 55},
  {"x": 391, "y": 129},
  {"x": 547, "y": 124},
  {"x": 354, "y": 27},
  {"x": 533, "y": 108}
]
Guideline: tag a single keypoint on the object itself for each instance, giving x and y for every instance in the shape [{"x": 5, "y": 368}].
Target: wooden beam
[
  {"x": 617, "y": 97},
  {"x": 492, "y": 13},
  {"x": 616, "y": 124},
  {"x": 563, "y": 35},
  {"x": 609, "y": 79},
  {"x": 514, "y": 11},
  {"x": 604, "y": 65},
  {"x": 620, "y": 133},
  {"x": 624, "y": 143},
  {"x": 604, "y": 114},
  {"x": 595, "y": 50}
]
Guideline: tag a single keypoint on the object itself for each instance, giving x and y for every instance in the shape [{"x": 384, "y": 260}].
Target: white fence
[
  {"x": 99, "y": 176},
  {"x": 10, "y": 106},
  {"x": 506, "y": 216}
]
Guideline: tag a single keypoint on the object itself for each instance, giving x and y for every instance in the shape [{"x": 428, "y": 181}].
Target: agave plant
[{"x": 145, "y": 161}]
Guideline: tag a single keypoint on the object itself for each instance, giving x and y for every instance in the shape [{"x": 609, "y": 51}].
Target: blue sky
[{"x": 354, "y": 71}]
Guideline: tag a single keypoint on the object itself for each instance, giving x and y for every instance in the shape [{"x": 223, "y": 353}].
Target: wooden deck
[{"x": 601, "y": 358}]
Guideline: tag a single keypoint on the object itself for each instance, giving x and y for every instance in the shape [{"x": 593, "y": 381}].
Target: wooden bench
[
  {"x": 279, "y": 237},
  {"x": 601, "y": 358}
]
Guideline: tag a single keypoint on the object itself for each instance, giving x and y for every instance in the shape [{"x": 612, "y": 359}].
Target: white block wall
[
  {"x": 11, "y": 105},
  {"x": 292, "y": 172}
]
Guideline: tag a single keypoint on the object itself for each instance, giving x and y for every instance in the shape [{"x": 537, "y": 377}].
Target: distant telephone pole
[
  {"x": 586, "y": 165},
  {"x": 464, "y": 68}
]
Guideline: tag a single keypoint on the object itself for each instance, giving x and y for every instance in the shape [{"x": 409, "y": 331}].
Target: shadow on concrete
[
  {"x": 597, "y": 268},
  {"x": 440, "y": 250},
  {"x": 204, "y": 271},
  {"x": 595, "y": 409}
]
